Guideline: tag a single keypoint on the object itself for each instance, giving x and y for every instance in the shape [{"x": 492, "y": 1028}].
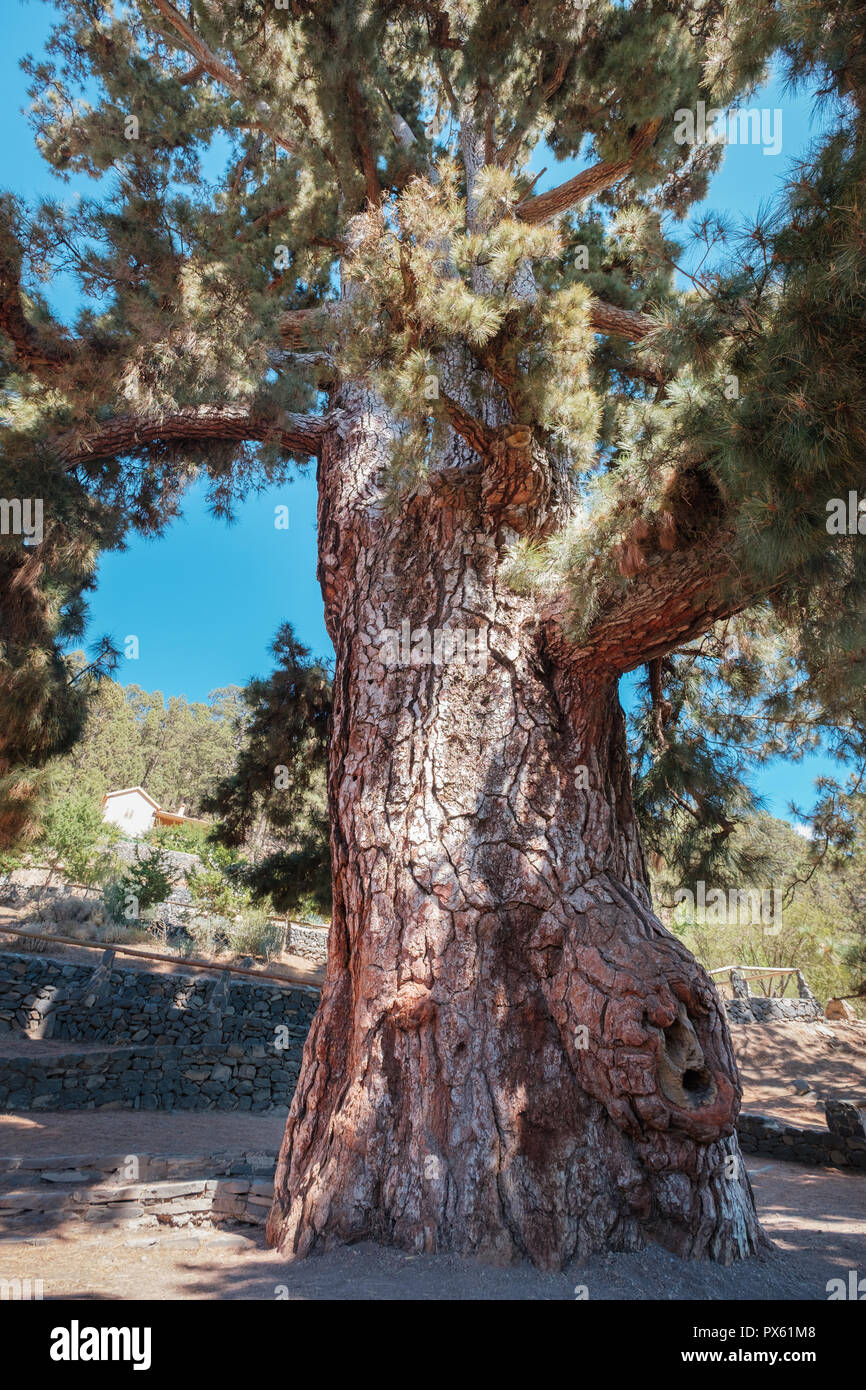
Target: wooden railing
[{"x": 786, "y": 970}]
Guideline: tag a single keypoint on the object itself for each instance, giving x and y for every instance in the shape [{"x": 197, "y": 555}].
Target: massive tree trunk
[{"x": 512, "y": 1057}]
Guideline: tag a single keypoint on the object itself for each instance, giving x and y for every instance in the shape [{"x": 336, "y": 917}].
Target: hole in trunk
[
  {"x": 697, "y": 1084},
  {"x": 683, "y": 1077}
]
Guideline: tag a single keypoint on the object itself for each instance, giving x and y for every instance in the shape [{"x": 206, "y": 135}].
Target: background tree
[
  {"x": 175, "y": 749},
  {"x": 145, "y": 883},
  {"x": 75, "y": 837},
  {"x": 523, "y": 433},
  {"x": 274, "y": 802}
]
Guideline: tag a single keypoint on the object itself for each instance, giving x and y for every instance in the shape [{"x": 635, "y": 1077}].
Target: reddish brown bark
[{"x": 512, "y": 1056}]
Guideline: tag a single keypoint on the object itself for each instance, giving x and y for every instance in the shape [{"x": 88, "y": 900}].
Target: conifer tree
[
  {"x": 541, "y": 465},
  {"x": 278, "y": 781}
]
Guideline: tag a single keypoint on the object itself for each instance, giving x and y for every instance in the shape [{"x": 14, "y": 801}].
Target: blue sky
[{"x": 206, "y": 599}]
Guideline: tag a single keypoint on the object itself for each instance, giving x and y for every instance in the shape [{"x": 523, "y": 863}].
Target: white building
[
  {"x": 131, "y": 809},
  {"x": 134, "y": 812}
]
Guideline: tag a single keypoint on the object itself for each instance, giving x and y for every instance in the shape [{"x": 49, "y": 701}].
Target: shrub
[
  {"x": 146, "y": 883},
  {"x": 190, "y": 839},
  {"x": 253, "y": 934},
  {"x": 75, "y": 836},
  {"x": 249, "y": 933},
  {"x": 208, "y": 934}
]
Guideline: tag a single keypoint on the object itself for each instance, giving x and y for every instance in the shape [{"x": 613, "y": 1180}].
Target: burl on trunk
[{"x": 512, "y": 1056}]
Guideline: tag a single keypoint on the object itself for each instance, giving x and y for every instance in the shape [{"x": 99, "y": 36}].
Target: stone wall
[
  {"x": 309, "y": 942},
  {"x": 139, "y": 1191},
  {"x": 152, "y": 1078},
  {"x": 54, "y": 998},
  {"x": 764, "y": 1135},
  {"x": 746, "y": 1007},
  {"x": 760, "y": 1010},
  {"x": 153, "y": 1041}
]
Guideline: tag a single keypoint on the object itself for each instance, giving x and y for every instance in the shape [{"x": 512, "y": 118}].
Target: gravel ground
[{"x": 830, "y": 1057}]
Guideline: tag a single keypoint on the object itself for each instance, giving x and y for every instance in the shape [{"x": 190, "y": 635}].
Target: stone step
[
  {"x": 79, "y": 1169},
  {"x": 224, "y": 1198}
]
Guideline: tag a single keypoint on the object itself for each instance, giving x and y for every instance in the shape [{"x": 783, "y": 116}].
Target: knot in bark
[{"x": 413, "y": 1008}]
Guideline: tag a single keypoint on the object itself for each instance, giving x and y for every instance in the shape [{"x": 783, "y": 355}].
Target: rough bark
[{"x": 512, "y": 1056}]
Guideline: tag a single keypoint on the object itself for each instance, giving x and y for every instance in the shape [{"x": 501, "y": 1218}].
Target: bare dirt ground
[
  {"x": 801, "y": 1211},
  {"x": 84, "y": 1133},
  {"x": 830, "y": 1057}
]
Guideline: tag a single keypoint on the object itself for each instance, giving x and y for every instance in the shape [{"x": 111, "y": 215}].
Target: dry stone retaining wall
[
  {"x": 746, "y": 1007},
  {"x": 764, "y": 1135},
  {"x": 137, "y": 1006},
  {"x": 169, "y": 1041},
  {"x": 140, "y": 1190},
  {"x": 151, "y": 1078},
  {"x": 309, "y": 942}
]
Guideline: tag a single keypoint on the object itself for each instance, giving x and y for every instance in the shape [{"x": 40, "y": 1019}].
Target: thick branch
[
  {"x": 540, "y": 94},
  {"x": 674, "y": 599},
  {"x": 305, "y": 330},
  {"x": 198, "y": 48},
  {"x": 624, "y": 323},
  {"x": 298, "y": 434},
  {"x": 466, "y": 425},
  {"x": 359, "y": 116},
  {"x": 589, "y": 182},
  {"x": 308, "y": 329}
]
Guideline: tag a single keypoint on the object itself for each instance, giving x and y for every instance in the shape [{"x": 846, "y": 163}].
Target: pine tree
[
  {"x": 540, "y": 465},
  {"x": 276, "y": 789}
]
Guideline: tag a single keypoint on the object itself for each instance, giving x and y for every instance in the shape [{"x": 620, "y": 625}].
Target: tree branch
[
  {"x": 33, "y": 350},
  {"x": 358, "y": 112},
  {"x": 539, "y": 95},
  {"x": 298, "y": 434},
  {"x": 216, "y": 67},
  {"x": 589, "y": 182},
  {"x": 624, "y": 323},
  {"x": 674, "y": 599}
]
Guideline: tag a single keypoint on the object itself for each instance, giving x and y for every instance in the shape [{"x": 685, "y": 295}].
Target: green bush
[
  {"x": 249, "y": 933},
  {"x": 253, "y": 934},
  {"x": 190, "y": 839},
  {"x": 75, "y": 838},
  {"x": 145, "y": 884},
  {"x": 208, "y": 934}
]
